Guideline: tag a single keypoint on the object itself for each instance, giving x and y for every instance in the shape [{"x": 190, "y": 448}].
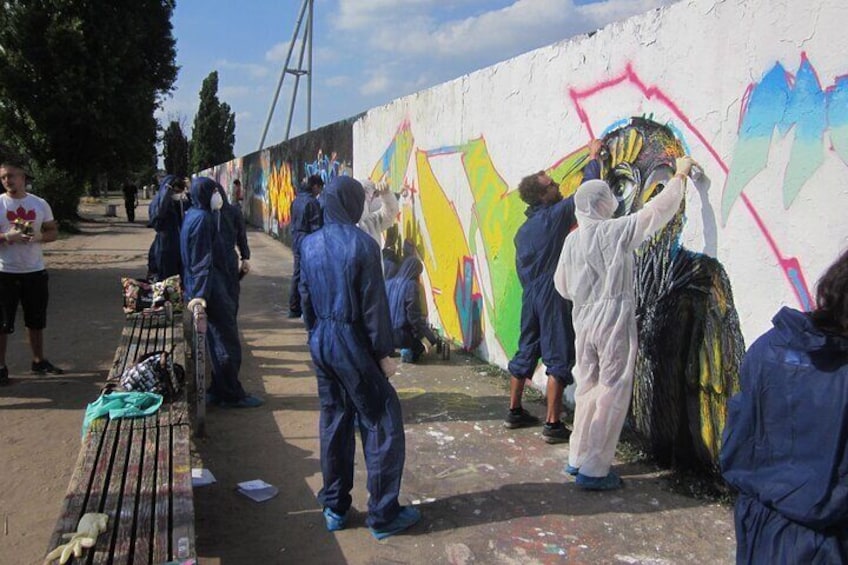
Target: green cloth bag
[{"x": 121, "y": 405}]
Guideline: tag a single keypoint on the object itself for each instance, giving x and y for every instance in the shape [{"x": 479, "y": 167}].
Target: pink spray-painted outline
[{"x": 790, "y": 265}]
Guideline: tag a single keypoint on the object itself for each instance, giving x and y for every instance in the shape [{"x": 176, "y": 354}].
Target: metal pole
[
  {"x": 310, "y": 24},
  {"x": 297, "y": 73},
  {"x": 283, "y": 73}
]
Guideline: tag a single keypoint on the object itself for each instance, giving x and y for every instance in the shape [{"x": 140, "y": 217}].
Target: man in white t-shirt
[{"x": 26, "y": 221}]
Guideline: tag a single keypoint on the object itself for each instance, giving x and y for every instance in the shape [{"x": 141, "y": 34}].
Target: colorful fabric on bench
[{"x": 122, "y": 405}]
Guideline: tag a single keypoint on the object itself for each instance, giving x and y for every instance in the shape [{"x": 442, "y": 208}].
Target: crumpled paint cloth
[{"x": 122, "y": 405}]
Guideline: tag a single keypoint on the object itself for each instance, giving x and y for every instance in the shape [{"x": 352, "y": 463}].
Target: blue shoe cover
[
  {"x": 333, "y": 521},
  {"x": 406, "y": 518},
  {"x": 406, "y": 355},
  {"x": 610, "y": 482},
  {"x": 573, "y": 471},
  {"x": 246, "y": 402}
]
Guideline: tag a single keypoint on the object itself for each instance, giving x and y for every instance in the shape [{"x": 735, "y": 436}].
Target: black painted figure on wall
[{"x": 690, "y": 342}]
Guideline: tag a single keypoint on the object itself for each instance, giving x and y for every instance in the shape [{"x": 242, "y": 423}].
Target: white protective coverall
[
  {"x": 596, "y": 272},
  {"x": 380, "y": 213}
]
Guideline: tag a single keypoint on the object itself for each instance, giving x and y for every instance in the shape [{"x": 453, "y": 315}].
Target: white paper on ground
[
  {"x": 257, "y": 490},
  {"x": 201, "y": 477}
]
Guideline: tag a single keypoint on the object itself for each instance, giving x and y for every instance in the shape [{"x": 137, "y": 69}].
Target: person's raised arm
[
  {"x": 592, "y": 169},
  {"x": 387, "y": 214},
  {"x": 658, "y": 211}
]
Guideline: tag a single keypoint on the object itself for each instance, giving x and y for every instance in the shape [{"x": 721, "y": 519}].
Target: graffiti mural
[{"x": 270, "y": 177}]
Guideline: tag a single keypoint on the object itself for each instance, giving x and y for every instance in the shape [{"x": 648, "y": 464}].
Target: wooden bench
[{"x": 138, "y": 470}]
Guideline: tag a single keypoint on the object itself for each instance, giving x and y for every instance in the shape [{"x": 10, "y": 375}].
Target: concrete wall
[
  {"x": 755, "y": 90},
  {"x": 270, "y": 177}
]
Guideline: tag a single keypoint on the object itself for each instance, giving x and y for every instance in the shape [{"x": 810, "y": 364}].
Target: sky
[{"x": 365, "y": 53}]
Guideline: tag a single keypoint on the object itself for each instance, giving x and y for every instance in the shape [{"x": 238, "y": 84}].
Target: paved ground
[{"x": 488, "y": 495}]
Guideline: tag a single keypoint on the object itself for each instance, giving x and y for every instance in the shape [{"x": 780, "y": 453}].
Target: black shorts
[{"x": 30, "y": 289}]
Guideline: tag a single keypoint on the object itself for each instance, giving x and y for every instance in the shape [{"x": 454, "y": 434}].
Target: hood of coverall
[
  {"x": 410, "y": 269},
  {"x": 594, "y": 202},
  {"x": 167, "y": 180},
  {"x": 202, "y": 189},
  {"x": 344, "y": 200},
  {"x": 372, "y": 204}
]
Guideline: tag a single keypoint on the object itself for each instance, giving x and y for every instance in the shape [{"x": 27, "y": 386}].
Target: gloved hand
[
  {"x": 389, "y": 366},
  {"x": 594, "y": 148},
  {"x": 427, "y": 346},
  {"x": 245, "y": 266},
  {"x": 90, "y": 526},
  {"x": 683, "y": 165},
  {"x": 197, "y": 306}
]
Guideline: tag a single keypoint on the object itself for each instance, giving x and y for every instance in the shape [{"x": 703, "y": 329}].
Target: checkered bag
[{"x": 155, "y": 372}]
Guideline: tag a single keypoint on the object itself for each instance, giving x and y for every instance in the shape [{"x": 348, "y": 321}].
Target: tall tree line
[{"x": 81, "y": 80}]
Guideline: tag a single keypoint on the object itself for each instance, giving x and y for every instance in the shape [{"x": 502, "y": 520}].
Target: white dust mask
[{"x": 217, "y": 201}]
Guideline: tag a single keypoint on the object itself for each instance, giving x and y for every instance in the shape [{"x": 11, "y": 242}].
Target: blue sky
[{"x": 365, "y": 52}]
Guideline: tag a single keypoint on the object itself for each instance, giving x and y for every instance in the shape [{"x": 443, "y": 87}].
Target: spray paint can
[{"x": 696, "y": 173}]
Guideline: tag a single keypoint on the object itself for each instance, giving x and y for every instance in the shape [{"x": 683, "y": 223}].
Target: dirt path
[{"x": 488, "y": 495}]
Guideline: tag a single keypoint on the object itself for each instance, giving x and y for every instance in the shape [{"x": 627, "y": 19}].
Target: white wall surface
[{"x": 698, "y": 66}]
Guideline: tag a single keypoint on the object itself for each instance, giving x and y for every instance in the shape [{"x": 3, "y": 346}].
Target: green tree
[
  {"x": 213, "y": 133},
  {"x": 81, "y": 82},
  {"x": 175, "y": 150}
]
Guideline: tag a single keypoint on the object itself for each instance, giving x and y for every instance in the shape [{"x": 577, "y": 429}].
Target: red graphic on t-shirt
[{"x": 20, "y": 214}]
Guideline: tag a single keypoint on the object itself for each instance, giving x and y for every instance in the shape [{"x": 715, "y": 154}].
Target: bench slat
[
  {"x": 79, "y": 487},
  {"x": 112, "y": 504},
  {"x": 161, "y": 539},
  {"x": 182, "y": 528},
  {"x": 125, "y": 529},
  {"x": 147, "y": 489}
]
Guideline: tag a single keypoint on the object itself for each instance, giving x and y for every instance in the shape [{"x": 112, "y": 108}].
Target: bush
[{"x": 60, "y": 190}]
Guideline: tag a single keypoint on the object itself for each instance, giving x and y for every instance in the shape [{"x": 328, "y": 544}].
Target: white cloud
[
  {"x": 227, "y": 92},
  {"x": 253, "y": 70},
  {"x": 336, "y": 81},
  {"x": 277, "y": 53},
  {"x": 377, "y": 83},
  {"x": 362, "y": 15}
]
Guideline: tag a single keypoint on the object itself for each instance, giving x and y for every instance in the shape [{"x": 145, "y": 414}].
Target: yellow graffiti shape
[
  {"x": 281, "y": 193},
  {"x": 447, "y": 241},
  {"x": 392, "y": 167}
]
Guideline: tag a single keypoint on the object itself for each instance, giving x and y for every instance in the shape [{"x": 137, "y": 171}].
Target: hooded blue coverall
[
  {"x": 306, "y": 217},
  {"x": 347, "y": 315},
  {"x": 784, "y": 445},
  {"x": 408, "y": 322},
  {"x": 546, "y": 329},
  {"x": 233, "y": 233},
  {"x": 166, "y": 217},
  {"x": 207, "y": 275}
]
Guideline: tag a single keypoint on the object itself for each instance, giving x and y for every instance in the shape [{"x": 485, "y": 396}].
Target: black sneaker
[
  {"x": 44, "y": 366},
  {"x": 520, "y": 418},
  {"x": 556, "y": 433},
  {"x": 4, "y": 376},
  {"x": 294, "y": 315}
]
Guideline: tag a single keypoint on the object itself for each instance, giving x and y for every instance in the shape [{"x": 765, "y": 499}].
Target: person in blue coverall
[
  {"x": 166, "y": 212},
  {"x": 346, "y": 313},
  {"x": 408, "y": 322},
  {"x": 209, "y": 280},
  {"x": 785, "y": 445},
  {"x": 234, "y": 234},
  {"x": 305, "y": 218},
  {"x": 546, "y": 329}
]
